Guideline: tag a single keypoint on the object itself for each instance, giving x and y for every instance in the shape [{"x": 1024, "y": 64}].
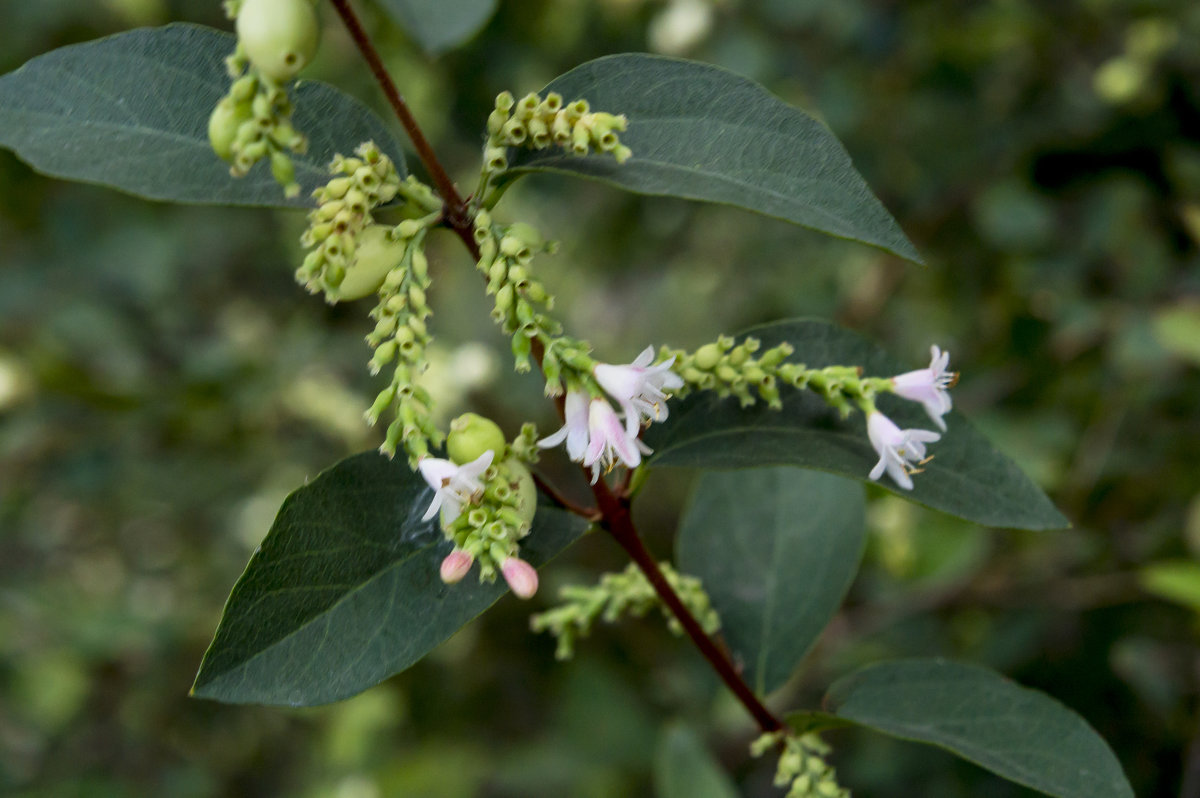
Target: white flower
[
  {"x": 609, "y": 440},
  {"x": 639, "y": 387},
  {"x": 929, "y": 386},
  {"x": 455, "y": 485},
  {"x": 900, "y": 450},
  {"x": 575, "y": 430}
]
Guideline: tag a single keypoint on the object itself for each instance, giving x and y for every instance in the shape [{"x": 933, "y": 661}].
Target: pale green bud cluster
[
  {"x": 252, "y": 123},
  {"x": 400, "y": 339},
  {"x": 802, "y": 766},
  {"x": 624, "y": 593},
  {"x": 491, "y": 530},
  {"x": 537, "y": 124},
  {"x": 343, "y": 211},
  {"x": 729, "y": 367}
]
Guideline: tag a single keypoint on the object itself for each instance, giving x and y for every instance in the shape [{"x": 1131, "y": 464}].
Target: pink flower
[
  {"x": 609, "y": 440},
  {"x": 455, "y": 485},
  {"x": 455, "y": 566},
  {"x": 929, "y": 386},
  {"x": 575, "y": 430},
  {"x": 900, "y": 451},
  {"x": 521, "y": 577},
  {"x": 639, "y": 387}
]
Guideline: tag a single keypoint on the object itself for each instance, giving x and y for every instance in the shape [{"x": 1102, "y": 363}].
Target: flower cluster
[
  {"x": 595, "y": 434},
  {"x": 537, "y": 123},
  {"x": 802, "y": 767},
  {"x": 627, "y": 592}
]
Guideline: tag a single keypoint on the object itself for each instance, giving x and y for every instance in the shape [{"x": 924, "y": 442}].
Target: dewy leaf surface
[
  {"x": 967, "y": 477},
  {"x": 684, "y": 768},
  {"x": 776, "y": 550},
  {"x": 438, "y": 25},
  {"x": 344, "y": 591},
  {"x": 131, "y": 111},
  {"x": 1020, "y": 734},
  {"x": 701, "y": 132}
]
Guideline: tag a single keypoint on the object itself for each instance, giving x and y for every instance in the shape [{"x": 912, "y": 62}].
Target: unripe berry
[
  {"x": 707, "y": 356},
  {"x": 523, "y": 487},
  {"x": 223, "y": 126},
  {"x": 279, "y": 36},
  {"x": 375, "y": 256},
  {"x": 471, "y": 435}
]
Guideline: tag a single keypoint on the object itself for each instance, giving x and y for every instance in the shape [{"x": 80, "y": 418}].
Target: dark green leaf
[
  {"x": 700, "y": 132},
  {"x": 1020, "y": 734},
  {"x": 776, "y": 550},
  {"x": 438, "y": 25},
  {"x": 683, "y": 767},
  {"x": 131, "y": 111},
  {"x": 345, "y": 591},
  {"x": 967, "y": 477}
]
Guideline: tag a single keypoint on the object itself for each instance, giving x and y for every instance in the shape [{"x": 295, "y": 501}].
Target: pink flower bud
[
  {"x": 521, "y": 577},
  {"x": 455, "y": 566}
]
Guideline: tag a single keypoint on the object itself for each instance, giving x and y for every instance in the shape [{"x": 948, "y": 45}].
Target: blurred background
[{"x": 164, "y": 384}]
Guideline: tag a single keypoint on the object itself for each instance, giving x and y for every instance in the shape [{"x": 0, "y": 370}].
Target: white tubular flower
[
  {"x": 639, "y": 388},
  {"x": 929, "y": 386},
  {"x": 575, "y": 430},
  {"x": 900, "y": 450},
  {"x": 609, "y": 441},
  {"x": 455, "y": 485}
]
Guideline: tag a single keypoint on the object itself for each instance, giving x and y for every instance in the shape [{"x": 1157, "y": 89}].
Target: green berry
[
  {"x": 520, "y": 480},
  {"x": 279, "y": 36},
  {"x": 707, "y": 356},
  {"x": 375, "y": 255},
  {"x": 471, "y": 435},
  {"x": 223, "y": 126}
]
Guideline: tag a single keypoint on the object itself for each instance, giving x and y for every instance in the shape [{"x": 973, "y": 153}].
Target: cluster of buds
[
  {"x": 486, "y": 499},
  {"x": 505, "y": 256},
  {"x": 802, "y": 766},
  {"x": 276, "y": 38},
  {"x": 343, "y": 212},
  {"x": 616, "y": 595},
  {"x": 728, "y": 367},
  {"x": 537, "y": 124}
]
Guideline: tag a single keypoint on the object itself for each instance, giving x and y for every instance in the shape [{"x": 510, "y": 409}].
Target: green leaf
[
  {"x": 776, "y": 550},
  {"x": 1020, "y": 734},
  {"x": 131, "y": 111},
  {"x": 967, "y": 477},
  {"x": 345, "y": 590},
  {"x": 683, "y": 767},
  {"x": 700, "y": 132},
  {"x": 438, "y": 25},
  {"x": 1173, "y": 580}
]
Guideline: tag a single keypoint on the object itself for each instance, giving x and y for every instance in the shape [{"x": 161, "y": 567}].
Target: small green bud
[
  {"x": 528, "y": 106},
  {"x": 223, "y": 126},
  {"x": 524, "y": 490},
  {"x": 284, "y": 172},
  {"x": 471, "y": 435},
  {"x": 243, "y": 89},
  {"x": 514, "y": 132},
  {"x": 707, "y": 356},
  {"x": 279, "y": 36},
  {"x": 376, "y": 255},
  {"x": 504, "y": 101}
]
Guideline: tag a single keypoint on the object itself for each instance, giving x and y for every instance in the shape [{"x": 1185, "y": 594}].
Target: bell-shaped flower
[
  {"x": 639, "y": 388},
  {"x": 929, "y": 386},
  {"x": 455, "y": 566},
  {"x": 454, "y": 485},
  {"x": 609, "y": 441},
  {"x": 900, "y": 450},
  {"x": 521, "y": 577},
  {"x": 575, "y": 430}
]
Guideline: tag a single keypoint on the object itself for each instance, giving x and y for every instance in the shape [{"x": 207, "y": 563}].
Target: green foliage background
[{"x": 163, "y": 384}]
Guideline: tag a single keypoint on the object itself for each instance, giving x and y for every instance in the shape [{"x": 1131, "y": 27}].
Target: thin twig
[{"x": 590, "y": 513}]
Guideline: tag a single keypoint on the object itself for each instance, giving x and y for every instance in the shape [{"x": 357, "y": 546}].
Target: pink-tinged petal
[
  {"x": 455, "y": 566},
  {"x": 521, "y": 577},
  {"x": 645, "y": 358}
]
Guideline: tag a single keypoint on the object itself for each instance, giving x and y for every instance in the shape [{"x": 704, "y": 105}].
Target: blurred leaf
[
  {"x": 344, "y": 591},
  {"x": 438, "y": 25},
  {"x": 131, "y": 111},
  {"x": 1020, "y": 734},
  {"x": 1177, "y": 581},
  {"x": 700, "y": 132},
  {"x": 776, "y": 550},
  {"x": 684, "y": 768},
  {"x": 967, "y": 477},
  {"x": 1178, "y": 330}
]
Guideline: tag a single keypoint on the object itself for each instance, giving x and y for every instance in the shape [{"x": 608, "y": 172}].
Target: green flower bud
[
  {"x": 223, "y": 126},
  {"x": 375, "y": 256},
  {"x": 707, "y": 356},
  {"x": 523, "y": 488},
  {"x": 284, "y": 172},
  {"x": 471, "y": 435},
  {"x": 279, "y": 36}
]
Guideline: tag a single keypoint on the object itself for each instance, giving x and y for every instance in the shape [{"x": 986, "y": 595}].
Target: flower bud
[
  {"x": 375, "y": 256},
  {"x": 524, "y": 490},
  {"x": 279, "y": 36},
  {"x": 455, "y": 566},
  {"x": 223, "y": 126},
  {"x": 521, "y": 577},
  {"x": 471, "y": 435},
  {"x": 707, "y": 356}
]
